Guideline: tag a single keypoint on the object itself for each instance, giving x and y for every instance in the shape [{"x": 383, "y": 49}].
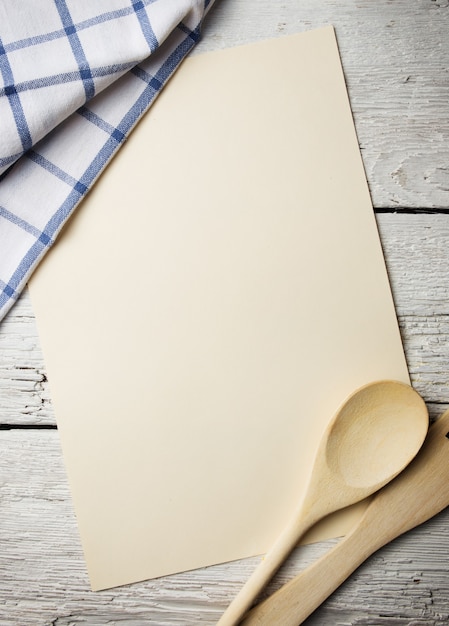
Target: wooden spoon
[
  {"x": 419, "y": 493},
  {"x": 372, "y": 437}
]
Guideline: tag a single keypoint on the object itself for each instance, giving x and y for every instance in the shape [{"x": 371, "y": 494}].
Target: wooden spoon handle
[
  {"x": 416, "y": 495},
  {"x": 265, "y": 571}
]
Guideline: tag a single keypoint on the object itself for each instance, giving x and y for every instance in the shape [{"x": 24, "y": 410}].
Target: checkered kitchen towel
[{"x": 75, "y": 77}]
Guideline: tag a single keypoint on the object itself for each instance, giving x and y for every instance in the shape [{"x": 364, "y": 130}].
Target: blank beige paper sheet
[{"x": 211, "y": 304}]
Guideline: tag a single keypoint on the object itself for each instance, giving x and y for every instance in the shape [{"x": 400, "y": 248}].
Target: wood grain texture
[{"x": 395, "y": 56}]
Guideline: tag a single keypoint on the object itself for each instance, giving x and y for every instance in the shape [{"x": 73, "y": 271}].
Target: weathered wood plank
[
  {"x": 24, "y": 391},
  {"x": 416, "y": 249}
]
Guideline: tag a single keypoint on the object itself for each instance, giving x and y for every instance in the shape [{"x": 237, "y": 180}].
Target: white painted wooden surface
[{"x": 395, "y": 55}]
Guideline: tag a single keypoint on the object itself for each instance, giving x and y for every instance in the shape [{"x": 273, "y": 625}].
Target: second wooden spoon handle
[{"x": 297, "y": 599}]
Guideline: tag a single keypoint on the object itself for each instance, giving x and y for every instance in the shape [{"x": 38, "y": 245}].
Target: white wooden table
[{"x": 395, "y": 55}]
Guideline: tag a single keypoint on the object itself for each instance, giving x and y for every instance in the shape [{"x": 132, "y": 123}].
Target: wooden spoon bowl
[{"x": 372, "y": 436}]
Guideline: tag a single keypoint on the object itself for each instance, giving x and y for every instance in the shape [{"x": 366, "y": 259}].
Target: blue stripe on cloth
[
  {"x": 77, "y": 185},
  {"x": 155, "y": 82},
  {"x": 193, "y": 34},
  {"x": 5, "y": 161},
  {"x": 144, "y": 76},
  {"x": 12, "y": 289},
  {"x": 77, "y": 49},
  {"x": 145, "y": 24},
  {"x": 10, "y": 91},
  {"x": 99, "y": 122},
  {"x": 8, "y": 291},
  {"x": 17, "y": 221},
  {"x": 68, "y": 77},
  {"x": 59, "y": 33}
]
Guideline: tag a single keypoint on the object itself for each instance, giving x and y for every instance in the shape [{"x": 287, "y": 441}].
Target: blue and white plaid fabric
[{"x": 75, "y": 77}]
